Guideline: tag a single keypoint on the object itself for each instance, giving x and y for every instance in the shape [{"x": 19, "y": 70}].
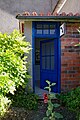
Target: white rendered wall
[
  {"x": 71, "y": 6},
  {"x": 28, "y": 35},
  {"x": 10, "y": 8}
]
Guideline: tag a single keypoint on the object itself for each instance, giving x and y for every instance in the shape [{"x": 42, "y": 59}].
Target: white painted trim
[{"x": 61, "y": 6}]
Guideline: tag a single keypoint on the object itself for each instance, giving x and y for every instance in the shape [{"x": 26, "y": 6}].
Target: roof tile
[
  {"x": 55, "y": 14},
  {"x": 49, "y": 13},
  {"x": 41, "y": 14},
  {"x": 63, "y": 14},
  {"x": 26, "y": 13},
  {"x": 70, "y": 14},
  {"x": 34, "y": 13},
  {"x": 77, "y": 14}
]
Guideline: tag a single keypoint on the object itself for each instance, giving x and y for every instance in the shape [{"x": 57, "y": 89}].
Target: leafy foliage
[
  {"x": 71, "y": 100},
  {"x": 27, "y": 100},
  {"x": 13, "y": 64},
  {"x": 4, "y": 104},
  {"x": 13, "y": 68},
  {"x": 6, "y": 85},
  {"x": 50, "y": 113}
]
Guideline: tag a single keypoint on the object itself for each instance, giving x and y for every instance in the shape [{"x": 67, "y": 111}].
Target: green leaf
[
  {"x": 46, "y": 88},
  {"x": 53, "y": 84},
  {"x": 48, "y": 112},
  {"x": 48, "y": 82},
  {"x": 45, "y": 118},
  {"x": 52, "y": 95},
  {"x": 53, "y": 114},
  {"x": 50, "y": 103},
  {"x": 50, "y": 106},
  {"x": 52, "y": 118},
  {"x": 56, "y": 105},
  {"x": 58, "y": 115}
]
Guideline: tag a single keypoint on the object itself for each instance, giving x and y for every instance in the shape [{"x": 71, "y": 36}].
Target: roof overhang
[{"x": 50, "y": 18}]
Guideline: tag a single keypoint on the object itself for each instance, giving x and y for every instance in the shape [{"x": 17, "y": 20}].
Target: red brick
[{"x": 70, "y": 59}]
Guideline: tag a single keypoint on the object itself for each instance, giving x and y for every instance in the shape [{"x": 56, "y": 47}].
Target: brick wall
[{"x": 70, "y": 57}]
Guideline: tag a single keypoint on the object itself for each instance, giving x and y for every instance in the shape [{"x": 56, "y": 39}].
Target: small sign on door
[{"x": 62, "y": 29}]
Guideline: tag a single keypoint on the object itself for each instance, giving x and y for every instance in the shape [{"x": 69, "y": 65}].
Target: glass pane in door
[
  {"x": 52, "y": 48},
  {"x": 48, "y": 63},
  {"x": 43, "y": 49},
  {"x": 47, "y": 48},
  {"x": 43, "y": 62},
  {"x": 52, "y": 62}
]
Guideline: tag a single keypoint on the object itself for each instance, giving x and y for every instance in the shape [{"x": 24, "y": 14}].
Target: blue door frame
[{"x": 55, "y": 36}]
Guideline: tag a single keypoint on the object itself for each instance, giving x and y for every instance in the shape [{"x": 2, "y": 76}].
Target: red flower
[{"x": 45, "y": 98}]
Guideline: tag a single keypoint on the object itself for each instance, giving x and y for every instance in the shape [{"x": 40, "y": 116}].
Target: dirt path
[{"x": 22, "y": 114}]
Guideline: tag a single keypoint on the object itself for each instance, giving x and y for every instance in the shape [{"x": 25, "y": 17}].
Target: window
[
  {"x": 45, "y": 28},
  {"x": 52, "y": 29},
  {"x": 39, "y": 28}
]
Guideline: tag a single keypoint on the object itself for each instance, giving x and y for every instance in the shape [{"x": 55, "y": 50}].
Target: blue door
[{"x": 48, "y": 63}]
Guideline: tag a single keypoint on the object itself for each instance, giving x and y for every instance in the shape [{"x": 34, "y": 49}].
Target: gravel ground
[{"x": 15, "y": 113}]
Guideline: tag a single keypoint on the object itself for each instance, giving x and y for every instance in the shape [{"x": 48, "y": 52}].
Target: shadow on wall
[
  {"x": 8, "y": 22},
  {"x": 10, "y": 8},
  {"x": 18, "y": 6}
]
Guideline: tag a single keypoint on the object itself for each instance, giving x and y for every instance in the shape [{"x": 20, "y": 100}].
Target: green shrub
[
  {"x": 4, "y": 104},
  {"x": 71, "y": 100},
  {"x": 13, "y": 65},
  {"x": 6, "y": 85},
  {"x": 22, "y": 99},
  {"x": 12, "y": 48}
]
